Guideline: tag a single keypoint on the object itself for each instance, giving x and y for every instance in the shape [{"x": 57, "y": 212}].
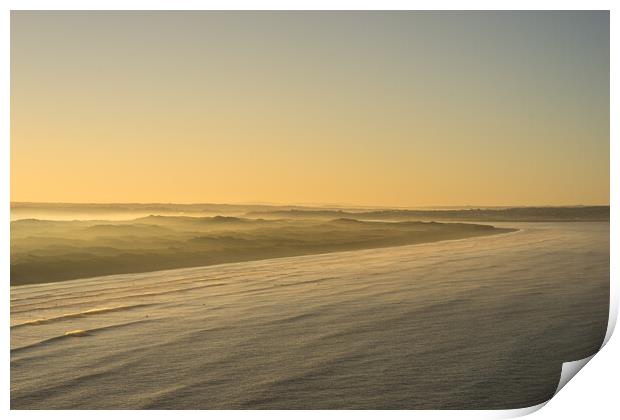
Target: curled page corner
[
  {"x": 569, "y": 370},
  {"x": 519, "y": 412}
]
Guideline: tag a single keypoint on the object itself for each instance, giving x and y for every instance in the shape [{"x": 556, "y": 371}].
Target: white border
[{"x": 571, "y": 403}]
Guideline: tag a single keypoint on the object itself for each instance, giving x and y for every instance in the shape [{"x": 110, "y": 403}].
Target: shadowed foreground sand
[{"x": 476, "y": 323}]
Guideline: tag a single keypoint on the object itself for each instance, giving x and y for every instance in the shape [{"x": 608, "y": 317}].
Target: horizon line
[{"x": 318, "y": 205}]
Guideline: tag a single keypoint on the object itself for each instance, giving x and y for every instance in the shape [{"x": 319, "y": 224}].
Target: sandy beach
[{"x": 476, "y": 323}]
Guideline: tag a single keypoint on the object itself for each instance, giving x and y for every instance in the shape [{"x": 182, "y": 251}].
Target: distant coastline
[{"x": 127, "y": 211}]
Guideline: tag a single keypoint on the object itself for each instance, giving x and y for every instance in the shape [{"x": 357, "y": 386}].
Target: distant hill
[
  {"x": 129, "y": 211},
  {"x": 513, "y": 214}
]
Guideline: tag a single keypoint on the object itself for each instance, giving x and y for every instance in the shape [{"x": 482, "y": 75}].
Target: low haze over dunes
[
  {"x": 67, "y": 248},
  {"x": 43, "y": 251}
]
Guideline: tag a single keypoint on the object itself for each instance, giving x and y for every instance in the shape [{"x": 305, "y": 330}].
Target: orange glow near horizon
[{"x": 389, "y": 109}]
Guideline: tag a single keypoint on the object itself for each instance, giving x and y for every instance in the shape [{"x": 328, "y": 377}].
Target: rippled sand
[{"x": 477, "y": 323}]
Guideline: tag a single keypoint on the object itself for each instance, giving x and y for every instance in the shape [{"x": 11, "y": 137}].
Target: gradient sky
[{"x": 367, "y": 108}]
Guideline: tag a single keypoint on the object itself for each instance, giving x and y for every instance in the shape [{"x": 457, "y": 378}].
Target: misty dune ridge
[{"x": 49, "y": 250}]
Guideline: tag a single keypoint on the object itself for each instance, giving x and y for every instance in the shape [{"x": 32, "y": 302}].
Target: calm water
[{"x": 477, "y": 323}]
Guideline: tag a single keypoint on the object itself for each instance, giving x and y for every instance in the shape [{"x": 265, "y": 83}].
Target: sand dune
[{"x": 44, "y": 251}]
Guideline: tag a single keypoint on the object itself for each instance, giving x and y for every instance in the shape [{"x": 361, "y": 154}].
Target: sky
[{"x": 399, "y": 109}]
